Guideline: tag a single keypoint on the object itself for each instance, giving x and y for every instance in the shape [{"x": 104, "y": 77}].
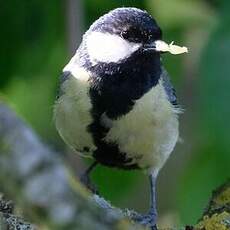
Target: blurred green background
[{"x": 37, "y": 40}]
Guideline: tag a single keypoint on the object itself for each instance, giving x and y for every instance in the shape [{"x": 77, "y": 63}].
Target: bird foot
[
  {"x": 146, "y": 220},
  {"x": 88, "y": 184}
]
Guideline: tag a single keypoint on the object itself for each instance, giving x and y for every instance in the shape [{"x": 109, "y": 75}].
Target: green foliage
[
  {"x": 181, "y": 14},
  {"x": 114, "y": 183},
  {"x": 26, "y": 28},
  {"x": 33, "y": 55},
  {"x": 95, "y": 8}
]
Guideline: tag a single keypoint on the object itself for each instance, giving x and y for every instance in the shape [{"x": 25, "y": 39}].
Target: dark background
[{"x": 37, "y": 40}]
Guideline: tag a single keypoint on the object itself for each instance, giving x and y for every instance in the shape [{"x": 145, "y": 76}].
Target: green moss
[
  {"x": 215, "y": 222},
  {"x": 223, "y": 198}
]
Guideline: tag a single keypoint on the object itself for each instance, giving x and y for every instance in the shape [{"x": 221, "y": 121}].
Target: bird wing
[
  {"x": 171, "y": 92},
  {"x": 64, "y": 76},
  {"x": 72, "y": 111}
]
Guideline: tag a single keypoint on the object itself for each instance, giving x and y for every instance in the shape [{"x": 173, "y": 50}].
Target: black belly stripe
[
  {"x": 108, "y": 153},
  {"x": 114, "y": 94}
]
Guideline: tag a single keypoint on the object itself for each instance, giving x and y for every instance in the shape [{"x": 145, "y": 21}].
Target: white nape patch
[
  {"x": 78, "y": 72},
  {"x": 105, "y": 47}
]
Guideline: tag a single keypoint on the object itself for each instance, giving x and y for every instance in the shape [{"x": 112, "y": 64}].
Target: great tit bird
[{"x": 116, "y": 103}]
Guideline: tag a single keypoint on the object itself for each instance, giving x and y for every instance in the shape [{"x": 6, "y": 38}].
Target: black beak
[
  {"x": 151, "y": 47},
  {"x": 154, "y": 47}
]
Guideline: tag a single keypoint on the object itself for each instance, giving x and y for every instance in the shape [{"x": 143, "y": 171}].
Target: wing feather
[{"x": 171, "y": 92}]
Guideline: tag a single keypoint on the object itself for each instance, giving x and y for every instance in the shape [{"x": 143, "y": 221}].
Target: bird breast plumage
[{"x": 147, "y": 134}]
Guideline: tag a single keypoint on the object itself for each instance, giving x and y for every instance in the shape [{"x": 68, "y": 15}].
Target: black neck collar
[{"x": 116, "y": 86}]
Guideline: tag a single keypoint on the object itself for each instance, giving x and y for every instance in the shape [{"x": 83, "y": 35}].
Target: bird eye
[
  {"x": 125, "y": 34},
  {"x": 132, "y": 34}
]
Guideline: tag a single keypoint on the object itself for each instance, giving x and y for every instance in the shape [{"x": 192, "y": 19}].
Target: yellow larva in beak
[{"x": 162, "y": 46}]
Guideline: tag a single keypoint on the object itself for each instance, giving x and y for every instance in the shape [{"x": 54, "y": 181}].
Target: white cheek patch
[{"x": 105, "y": 47}]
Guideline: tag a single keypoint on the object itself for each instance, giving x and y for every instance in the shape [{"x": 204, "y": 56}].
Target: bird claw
[{"x": 146, "y": 220}]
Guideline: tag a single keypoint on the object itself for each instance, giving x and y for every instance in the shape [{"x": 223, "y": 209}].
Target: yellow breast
[{"x": 149, "y": 132}]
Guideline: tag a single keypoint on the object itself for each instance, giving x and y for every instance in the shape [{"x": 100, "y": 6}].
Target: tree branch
[
  {"x": 8, "y": 221},
  {"x": 217, "y": 214}
]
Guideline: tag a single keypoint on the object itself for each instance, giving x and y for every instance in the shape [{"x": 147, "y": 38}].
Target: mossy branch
[
  {"x": 9, "y": 221},
  {"x": 217, "y": 214}
]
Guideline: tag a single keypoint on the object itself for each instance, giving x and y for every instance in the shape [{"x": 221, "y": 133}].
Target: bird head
[{"x": 120, "y": 34}]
